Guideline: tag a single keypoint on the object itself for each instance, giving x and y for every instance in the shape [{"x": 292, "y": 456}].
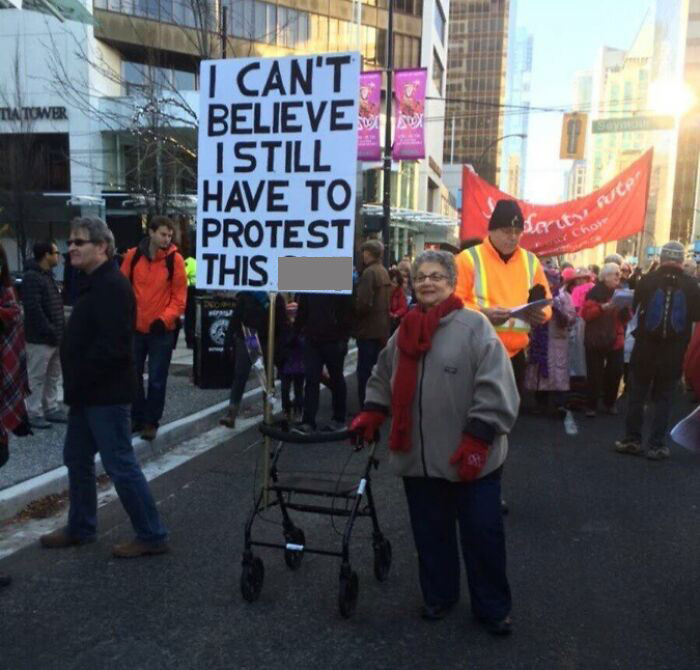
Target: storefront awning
[{"x": 410, "y": 216}]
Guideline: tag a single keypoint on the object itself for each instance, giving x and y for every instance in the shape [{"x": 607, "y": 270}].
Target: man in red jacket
[{"x": 157, "y": 274}]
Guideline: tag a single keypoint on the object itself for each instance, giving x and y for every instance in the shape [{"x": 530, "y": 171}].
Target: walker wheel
[
  {"x": 252, "y": 577},
  {"x": 349, "y": 588},
  {"x": 382, "y": 559},
  {"x": 293, "y": 558}
]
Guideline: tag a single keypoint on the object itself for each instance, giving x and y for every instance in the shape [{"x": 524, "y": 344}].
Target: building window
[
  {"x": 438, "y": 72},
  {"x": 440, "y": 21},
  {"x": 34, "y": 162}
]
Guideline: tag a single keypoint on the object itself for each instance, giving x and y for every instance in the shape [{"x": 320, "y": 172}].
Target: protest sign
[{"x": 276, "y": 173}]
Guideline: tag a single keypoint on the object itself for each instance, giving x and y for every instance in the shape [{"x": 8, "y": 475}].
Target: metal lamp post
[{"x": 477, "y": 162}]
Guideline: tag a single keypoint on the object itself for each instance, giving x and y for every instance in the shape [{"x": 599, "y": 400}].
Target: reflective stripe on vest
[{"x": 481, "y": 284}]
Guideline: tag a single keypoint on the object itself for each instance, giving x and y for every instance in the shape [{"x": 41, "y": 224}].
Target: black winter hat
[{"x": 507, "y": 214}]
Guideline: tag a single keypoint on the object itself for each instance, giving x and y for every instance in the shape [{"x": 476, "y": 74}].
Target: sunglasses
[{"x": 77, "y": 242}]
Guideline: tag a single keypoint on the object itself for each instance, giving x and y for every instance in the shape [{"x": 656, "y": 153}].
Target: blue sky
[{"x": 567, "y": 35}]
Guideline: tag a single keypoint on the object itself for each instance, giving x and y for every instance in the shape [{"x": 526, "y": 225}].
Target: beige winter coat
[{"x": 465, "y": 376}]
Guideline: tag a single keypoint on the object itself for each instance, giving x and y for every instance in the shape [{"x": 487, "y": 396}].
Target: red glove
[
  {"x": 366, "y": 424},
  {"x": 470, "y": 457}
]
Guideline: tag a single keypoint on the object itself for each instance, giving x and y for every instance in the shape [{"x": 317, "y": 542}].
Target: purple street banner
[
  {"x": 368, "y": 146},
  {"x": 409, "y": 117}
]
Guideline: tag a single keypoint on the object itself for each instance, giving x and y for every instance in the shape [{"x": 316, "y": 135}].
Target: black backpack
[{"x": 169, "y": 264}]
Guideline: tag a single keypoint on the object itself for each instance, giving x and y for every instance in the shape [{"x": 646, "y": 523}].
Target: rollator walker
[{"x": 284, "y": 491}]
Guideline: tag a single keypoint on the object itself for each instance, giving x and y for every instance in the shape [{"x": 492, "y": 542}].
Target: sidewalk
[
  {"x": 43, "y": 451},
  {"x": 36, "y": 470}
]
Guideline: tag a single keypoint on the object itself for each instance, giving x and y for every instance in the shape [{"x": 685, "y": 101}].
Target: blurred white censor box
[{"x": 276, "y": 173}]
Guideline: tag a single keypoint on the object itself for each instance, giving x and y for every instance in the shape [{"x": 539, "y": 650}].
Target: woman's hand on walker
[{"x": 365, "y": 426}]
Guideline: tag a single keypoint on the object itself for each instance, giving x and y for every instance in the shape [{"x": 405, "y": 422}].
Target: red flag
[{"x": 616, "y": 210}]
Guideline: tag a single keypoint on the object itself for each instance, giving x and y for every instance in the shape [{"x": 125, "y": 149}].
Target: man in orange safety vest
[{"x": 497, "y": 275}]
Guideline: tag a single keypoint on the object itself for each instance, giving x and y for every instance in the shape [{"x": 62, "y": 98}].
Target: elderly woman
[
  {"x": 604, "y": 339},
  {"x": 13, "y": 368},
  {"x": 447, "y": 381}
]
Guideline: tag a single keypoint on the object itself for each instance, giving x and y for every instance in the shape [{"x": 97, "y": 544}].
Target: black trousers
[
  {"x": 436, "y": 508},
  {"x": 604, "y": 369},
  {"x": 643, "y": 380},
  {"x": 367, "y": 355},
  {"x": 519, "y": 364},
  {"x": 332, "y": 355}
]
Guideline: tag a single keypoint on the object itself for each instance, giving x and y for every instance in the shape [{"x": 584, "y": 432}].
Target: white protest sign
[{"x": 276, "y": 173}]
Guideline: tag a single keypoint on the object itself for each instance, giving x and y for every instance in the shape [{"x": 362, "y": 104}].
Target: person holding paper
[
  {"x": 497, "y": 275},
  {"x": 669, "y": 303},
  {"x": 604, "y": 339}
]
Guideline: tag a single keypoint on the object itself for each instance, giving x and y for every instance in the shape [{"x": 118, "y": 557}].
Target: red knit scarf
[{"x": 414, "y": 340}]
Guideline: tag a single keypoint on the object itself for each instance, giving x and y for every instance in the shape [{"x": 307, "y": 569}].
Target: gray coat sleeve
[
  {"x": 379, "y": 385},
  {"x": 496, "y": 399}
]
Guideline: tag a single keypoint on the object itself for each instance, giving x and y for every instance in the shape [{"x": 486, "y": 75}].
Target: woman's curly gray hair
[{"x": 443, "y": 258}]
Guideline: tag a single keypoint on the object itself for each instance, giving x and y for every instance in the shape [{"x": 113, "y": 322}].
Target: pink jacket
[{"x": 578, "y": 295}]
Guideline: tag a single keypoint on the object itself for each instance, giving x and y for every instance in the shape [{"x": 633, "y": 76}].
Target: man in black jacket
[
  {"x": 324, "y": 321},
  {"x": 669, "y": 303},
  {"x": 99, "y": 378},
  {"x": 43, "y": 325}
]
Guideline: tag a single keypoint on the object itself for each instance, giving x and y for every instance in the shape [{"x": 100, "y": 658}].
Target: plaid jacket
[{"x": 14, "y": 386}]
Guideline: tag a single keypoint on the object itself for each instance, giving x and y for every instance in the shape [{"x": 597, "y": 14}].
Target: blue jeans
[
  {"x": 436, "y": 507},
  {"x": 148, "y": 409},
  {"x": 367, "y": 355},
  {"x": 105, "y": 429}
]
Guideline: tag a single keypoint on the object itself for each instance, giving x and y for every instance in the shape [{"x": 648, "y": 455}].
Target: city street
[{"x": 603, "y": 566}]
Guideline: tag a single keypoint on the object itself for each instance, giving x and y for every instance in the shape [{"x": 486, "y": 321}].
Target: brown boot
[
  {"x": 60, "y": 539},
  {"x": 149, "y": 432},
  {"x": 229, "y": 419},
  {"x": 136, "y": 548}
]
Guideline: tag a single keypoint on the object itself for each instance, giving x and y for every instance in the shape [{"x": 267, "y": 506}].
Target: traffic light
[{"x": 573, "y": 136}]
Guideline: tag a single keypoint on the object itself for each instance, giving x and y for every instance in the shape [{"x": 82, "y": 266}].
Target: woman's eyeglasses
[
  {"x": 435, "y": 278},
  {"x": 77, "y": 242}
]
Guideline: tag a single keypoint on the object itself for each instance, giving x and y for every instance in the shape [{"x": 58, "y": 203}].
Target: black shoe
[
  {"x": 502, "y": 627},
  {"x": 5, "y": 580},
  {"x": 436, "y": 612},
  {"x": 136, "y": 427}
]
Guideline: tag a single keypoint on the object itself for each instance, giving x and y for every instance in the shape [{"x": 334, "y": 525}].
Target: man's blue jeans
[
  {"x": 106, "y": 429},
  {"x": 148, "y": 409}
]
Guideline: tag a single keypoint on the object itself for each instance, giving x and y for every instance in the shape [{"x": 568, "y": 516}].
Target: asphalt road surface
[{"x": 603, "y": 556}]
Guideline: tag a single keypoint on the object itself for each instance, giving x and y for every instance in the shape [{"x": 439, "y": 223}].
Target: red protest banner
[{"x": 614, "y": 211}]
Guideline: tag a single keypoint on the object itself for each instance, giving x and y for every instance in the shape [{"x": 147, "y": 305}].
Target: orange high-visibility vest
[{"x": 484, "y": 279}]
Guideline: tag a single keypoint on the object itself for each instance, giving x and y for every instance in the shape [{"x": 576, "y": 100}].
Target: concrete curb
[{"x": 15, "y": 498}]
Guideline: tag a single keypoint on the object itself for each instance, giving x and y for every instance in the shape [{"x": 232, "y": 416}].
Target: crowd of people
[{"x": 452, "y": 347}]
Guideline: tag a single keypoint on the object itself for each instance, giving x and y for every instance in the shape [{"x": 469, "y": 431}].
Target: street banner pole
[{"x": 270, "y": 372}]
